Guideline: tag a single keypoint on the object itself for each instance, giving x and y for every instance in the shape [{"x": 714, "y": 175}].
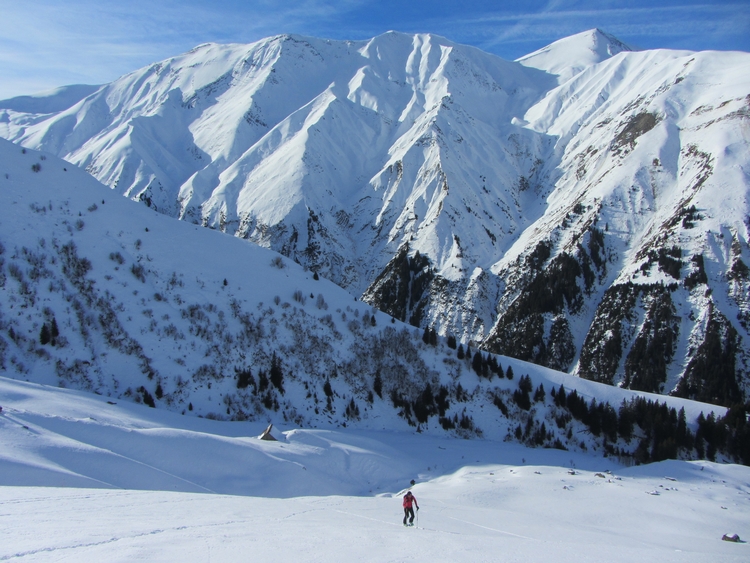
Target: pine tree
[
  {"x": 594, "y": 420},
  {"x": 327, "y": 388},
  {"x": 148, "y": 399},
  {"x": 625, "y": 421},
  {"x": 276, "y": 375},
  {"x": 424, "y": 406},
  {"x": 560, "y": 397},
  {"x": 524, "y": 384},
  {"x": 44, "y": 336},
  {"x": 244, "y": 378},
  {"x": 352, "y": 410},
  {"x": 54, "y": 332},
  {"x": 539, "y": 394},
  {"x": 477, "y": 363},
  {"x": 262, "y": 381},
  {"x": 377, "y": 384}
]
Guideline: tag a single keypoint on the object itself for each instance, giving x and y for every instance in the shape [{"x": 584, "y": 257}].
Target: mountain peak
[
  {"x": 50, "y": 101},
  {"x": 568, "y": 56}
]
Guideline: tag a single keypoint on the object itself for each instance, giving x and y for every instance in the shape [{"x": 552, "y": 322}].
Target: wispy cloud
[
  {"x": 698, "y": 22},
  {"x": 95, "y": 41}
]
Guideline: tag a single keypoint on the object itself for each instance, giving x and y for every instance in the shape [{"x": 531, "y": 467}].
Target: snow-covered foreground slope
[{"x": 87, "y": 480}]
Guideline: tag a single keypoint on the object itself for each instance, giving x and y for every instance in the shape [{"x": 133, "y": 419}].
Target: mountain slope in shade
[{"x": 583, "y": 208}]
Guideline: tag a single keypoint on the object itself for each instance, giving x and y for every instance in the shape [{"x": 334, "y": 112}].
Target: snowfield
[{"x": 86, "y": 480}]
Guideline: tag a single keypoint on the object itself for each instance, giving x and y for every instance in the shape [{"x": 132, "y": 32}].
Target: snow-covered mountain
[
  {"x": 571, "y": 55},
  {"x": 584, "y": 208},
  {"x": 101, "y": 294}
]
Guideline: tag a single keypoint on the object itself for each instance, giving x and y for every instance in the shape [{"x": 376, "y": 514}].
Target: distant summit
[
  {"x": 50, "y": 101},
  {"x": 570, "y": 55}
]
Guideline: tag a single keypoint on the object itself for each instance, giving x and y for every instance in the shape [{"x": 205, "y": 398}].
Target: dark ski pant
[{"x": 409, "y": 511}]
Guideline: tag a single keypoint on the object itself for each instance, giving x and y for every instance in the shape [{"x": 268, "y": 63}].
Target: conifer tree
[
  {"x": 327, "y": 389},
  {"x": 54, "y": 332},
  {"x": 377, "y": 384},
  {"x": 477, "y": 363},
  {"x": 539, "y": 394},
  {"x": 276, "y": 375},
  {"x": 44, "y": 336},
  {"x": 244, "y": 378}
]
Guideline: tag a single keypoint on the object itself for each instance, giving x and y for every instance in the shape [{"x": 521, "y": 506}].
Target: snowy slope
[
  {"x": 310, "y": 146},
  {"x": 650, "y": 191},
  {"x": 90, "y": 480},
  {"x": 446, "y": 186},
  {"x": 98, "y": 293},
  {"x": 335, "y": 153}
]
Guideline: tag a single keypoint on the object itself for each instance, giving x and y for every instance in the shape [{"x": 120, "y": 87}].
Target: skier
[{"x": 409, "y": 499}]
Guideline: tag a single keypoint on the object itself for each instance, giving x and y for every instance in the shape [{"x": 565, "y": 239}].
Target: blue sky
[{"x": 49, "y": 43}]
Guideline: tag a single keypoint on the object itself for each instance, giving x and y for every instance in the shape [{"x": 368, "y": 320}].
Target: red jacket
[{"x": 408, "y": 500}]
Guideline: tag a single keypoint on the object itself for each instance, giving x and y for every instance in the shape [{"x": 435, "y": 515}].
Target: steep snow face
[
  {"x": 649, "y": 191},
  {"x": 513, "y": 204},
  {"x": 335, "y": 153}
]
